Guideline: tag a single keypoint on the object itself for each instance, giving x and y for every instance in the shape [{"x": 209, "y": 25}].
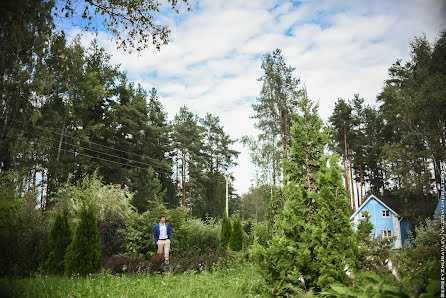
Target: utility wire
[
  {"x": 75, "y": 138},
  {"x": 100, "y": 152},
  {"x": 107, "y": 160},
  {"x": 97, "y": 144}
]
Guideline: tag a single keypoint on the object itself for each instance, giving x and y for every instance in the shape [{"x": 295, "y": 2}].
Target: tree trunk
[
  {"x": 190, "y": 199},
  {"x": 42, "y": 205},
  {"x": 361, "y": 184},
  {"x": 183, "y": 178},
  {"x": 351, "y": 178}
]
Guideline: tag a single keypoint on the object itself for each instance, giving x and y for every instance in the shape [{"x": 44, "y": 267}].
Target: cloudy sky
[{"x": 338, "y": 48}]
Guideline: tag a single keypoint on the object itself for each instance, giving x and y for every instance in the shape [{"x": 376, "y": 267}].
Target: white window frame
[
  {"x": 386, "y": 233},
  {"x": 385, "y": 213}
]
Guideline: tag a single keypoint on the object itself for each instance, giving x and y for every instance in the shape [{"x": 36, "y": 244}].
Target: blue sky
[{"x": 213, "y": 60}]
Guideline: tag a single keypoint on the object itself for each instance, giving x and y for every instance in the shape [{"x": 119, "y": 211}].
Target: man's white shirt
[{"x": 163, "y": 231}]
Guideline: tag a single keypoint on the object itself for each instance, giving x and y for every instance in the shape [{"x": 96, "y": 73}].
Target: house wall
[
  {"x": 405, "y": 228},
  {"x": 374, "y": 208}
]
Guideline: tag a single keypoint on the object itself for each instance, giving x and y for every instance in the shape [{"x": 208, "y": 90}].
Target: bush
[
  {"x": 367, "y": 285},
  {"x": 112, "y": 241},
  {"x": 60, "y": 238},
  {"x": 24, "y": 230},
  {"x": 419, "y": 266},
  {"x": 84, "y": 253},
  {"x": 237, "y": 240},
  {"x": 226, "y": 230},
  {"x": 198, "y": 237},
  {"x": 208, "y": 260},
  {"x": 258, "y": 231},
  {"x": 123, "y": 263}
]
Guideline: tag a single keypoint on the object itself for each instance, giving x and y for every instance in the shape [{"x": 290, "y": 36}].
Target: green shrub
[
  {"x": 237, "y": 240},
  {"x": 124, "y": 263},
  {"x": 60, "y": 238},
  {"x": 24, "y": 229},
  {"x": 419, "y": 266},
  {"x": 84, "y": 253},
  {"x": 199, "y": 236},
  {"x": 367, "y": 285},
  {"x": 260, "y": 232},
  {"x": 226, "y": 230}
]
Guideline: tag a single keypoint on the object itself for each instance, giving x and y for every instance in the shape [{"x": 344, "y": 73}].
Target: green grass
[{"x": 241, "y": 281}]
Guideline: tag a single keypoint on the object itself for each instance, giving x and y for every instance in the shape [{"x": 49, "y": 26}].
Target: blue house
[{"x": 386, "y": 218}]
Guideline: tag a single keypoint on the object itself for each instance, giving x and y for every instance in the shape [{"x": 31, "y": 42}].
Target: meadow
[{"x": 239, "y": 281}]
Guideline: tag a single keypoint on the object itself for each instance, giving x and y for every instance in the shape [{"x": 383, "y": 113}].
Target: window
[
  {"x": 385, "y": 213},
  {"x": 386, "y": 233}
]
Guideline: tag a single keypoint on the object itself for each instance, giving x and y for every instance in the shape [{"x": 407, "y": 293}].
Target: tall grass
[{"x": 239, "y": 281}]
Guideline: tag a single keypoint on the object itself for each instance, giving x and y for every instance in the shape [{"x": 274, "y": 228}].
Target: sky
[{"x": 213, "y": 59}]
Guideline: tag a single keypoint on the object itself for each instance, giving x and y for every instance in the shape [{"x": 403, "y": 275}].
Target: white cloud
[{"x": 338, "y": 48}]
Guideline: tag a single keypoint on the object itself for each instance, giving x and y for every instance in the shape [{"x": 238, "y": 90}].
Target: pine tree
[
  {"x": 226, "y": 230},
  {"x": 60, "y": 239},
  {"x": 237, "y": 239},
  {"x": 84, "y": 253}
]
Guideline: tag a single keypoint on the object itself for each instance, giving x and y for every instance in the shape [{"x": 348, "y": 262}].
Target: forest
[{"x": 89, "y": 160}]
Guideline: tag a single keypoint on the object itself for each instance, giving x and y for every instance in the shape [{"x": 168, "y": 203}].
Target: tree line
[
  {"x": 66, "y": 111},
  {"x": 395, "y": 148}
]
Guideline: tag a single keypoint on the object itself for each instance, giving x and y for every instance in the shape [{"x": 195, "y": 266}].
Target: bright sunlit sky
[{"x": 213, "y": 60}]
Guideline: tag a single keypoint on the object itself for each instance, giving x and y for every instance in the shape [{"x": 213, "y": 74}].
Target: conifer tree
[
  {"x": 335, "y": 246},
  {"x": 60, "y": 238},
  {"x": 312, "y": 238},
  {"x": 237, "y": 236},
  {"x": 84, "y": 253},
  {"x": 226, "y": 230}
]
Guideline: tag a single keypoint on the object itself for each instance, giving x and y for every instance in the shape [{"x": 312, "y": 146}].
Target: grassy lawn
[{"x": 242, "y": 281}]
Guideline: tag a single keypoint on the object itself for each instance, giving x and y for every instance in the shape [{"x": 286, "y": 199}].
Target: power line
[
  {"x": 107, "y": 160},
  {"x": 68, "y": 136},
  {"x": 100, "y": 152}
]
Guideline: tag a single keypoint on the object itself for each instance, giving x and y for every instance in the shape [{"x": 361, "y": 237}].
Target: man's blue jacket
[{"x": 156, "y": 232}]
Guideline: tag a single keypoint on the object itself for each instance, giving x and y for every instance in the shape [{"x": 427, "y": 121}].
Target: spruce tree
[
  {"x": 226, "y": 230},
  {"x": 60, "y": 238},
  {"x": 84, "y": 253},
  {"x": 237, "y": 236}
]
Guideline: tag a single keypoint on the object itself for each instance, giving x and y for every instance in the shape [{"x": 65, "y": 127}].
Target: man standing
[{"x": 163, "y": 236}]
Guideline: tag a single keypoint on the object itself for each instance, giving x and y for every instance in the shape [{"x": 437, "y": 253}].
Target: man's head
[{"x": 162, "y": 218}]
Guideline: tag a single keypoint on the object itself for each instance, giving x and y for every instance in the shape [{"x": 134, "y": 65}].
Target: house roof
[{"x": 394, "y": 205}]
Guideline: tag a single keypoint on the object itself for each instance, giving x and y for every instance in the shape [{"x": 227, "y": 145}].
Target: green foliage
[
  {"x": 373, "y": 255},
  {"x": 419, "y": 266},
  {"x": 259, "y": 231},
  {"x": 367, "y": 285},
  {"x": 364, "y": 229},
  {"x": 198, "y": 236},
  {"x": 24, "y": 229},
  {"x": 108, "y": 201},
  {"x": 83, "y": 255},
  {"x": 226, "y": 230},
  {"x": 312, "y": 240},
  {"x": 237, "y": 239},
  {"x": 240, "y": 280},
  {"x": 336, "y": 245},
  {"x": 255, "y": 203},
  {"x": 60, "y": 239},
  {"x": 150, "y": 192},
  {"x": 274, "y": 111}
]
